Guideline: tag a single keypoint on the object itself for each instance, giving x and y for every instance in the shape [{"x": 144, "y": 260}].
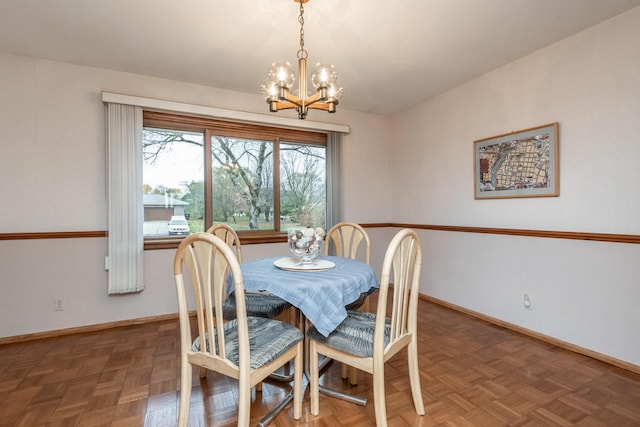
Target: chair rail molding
[{"x": 173, "y": 243}]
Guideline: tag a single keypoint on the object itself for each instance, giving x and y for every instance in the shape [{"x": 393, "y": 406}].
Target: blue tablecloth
[{"x": 320, "y": 295}]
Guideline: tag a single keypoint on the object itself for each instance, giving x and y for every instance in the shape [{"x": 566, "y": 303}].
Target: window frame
[{"x": 210, "y": 126}]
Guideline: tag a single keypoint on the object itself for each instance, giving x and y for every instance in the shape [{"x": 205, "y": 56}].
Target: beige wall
[
  {"x": 53, "y": 178},
  {"x": 415, "y": 167},
  {"x": 585, "y": 293}
]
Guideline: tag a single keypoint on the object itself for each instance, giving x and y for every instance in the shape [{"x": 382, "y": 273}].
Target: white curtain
[
  {"x": 126, "y": 212},
  {"x": 334, "y": 178}
]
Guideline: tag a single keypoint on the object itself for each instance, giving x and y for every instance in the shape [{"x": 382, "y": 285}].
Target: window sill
[{"x": 246, "y": 238}]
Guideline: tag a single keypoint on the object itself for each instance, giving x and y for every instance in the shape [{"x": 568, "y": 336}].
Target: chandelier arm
[
  {"x": 291, "y": 98},
  {"x": 313, "y": 99},
  {"x": 319, "y": 106},
  {"x": 288, "y": 105},
  {"x": 285, "y": 105}
]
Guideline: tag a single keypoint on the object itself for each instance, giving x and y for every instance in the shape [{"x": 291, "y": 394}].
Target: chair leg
[
  {"x": 313, "y": 378},
  {"x": 203, "y": 372},
  {"x": 414, "y": 376},
  {"x": 350, "y": 372},
  {"x": 244, "y": 401},
  {"x": 297, "y": 382},
  {"x": 353, "y": 375},
  {"x": 379, "y": 395},
  {"x": 185, "y": 392}
]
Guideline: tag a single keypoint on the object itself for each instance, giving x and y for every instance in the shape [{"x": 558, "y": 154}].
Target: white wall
[
  {"x": 585, "y": 293},
  {"x": 53, "y": 179}
]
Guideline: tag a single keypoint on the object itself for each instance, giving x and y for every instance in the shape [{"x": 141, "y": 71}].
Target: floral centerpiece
[{"x": 305, "y": 244}]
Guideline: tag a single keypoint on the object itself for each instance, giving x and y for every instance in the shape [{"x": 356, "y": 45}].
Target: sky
[{"x": 183, "y": 162}]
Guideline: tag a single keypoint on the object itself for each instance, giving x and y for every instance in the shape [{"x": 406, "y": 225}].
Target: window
[{"x": 260, "y": 180}]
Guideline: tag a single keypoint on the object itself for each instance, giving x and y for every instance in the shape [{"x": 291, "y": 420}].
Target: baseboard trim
[
  {"x": 88, "y": 328},
  {"x": 545, "y": 338}
]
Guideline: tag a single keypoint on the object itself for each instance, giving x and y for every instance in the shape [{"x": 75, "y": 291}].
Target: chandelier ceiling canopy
[{"x": 277, "y": 87}]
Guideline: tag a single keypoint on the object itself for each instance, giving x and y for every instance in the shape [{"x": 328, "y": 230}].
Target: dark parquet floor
[{"x": 472, "y": 374}]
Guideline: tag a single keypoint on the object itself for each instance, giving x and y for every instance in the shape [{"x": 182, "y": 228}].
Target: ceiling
[{"x": 390, "y": 54}]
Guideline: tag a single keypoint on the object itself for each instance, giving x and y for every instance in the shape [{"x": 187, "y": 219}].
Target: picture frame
[{"x": 523, "y": 163}]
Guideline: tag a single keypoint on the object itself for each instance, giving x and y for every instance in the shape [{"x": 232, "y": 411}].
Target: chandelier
[{"x": 280, "y": 79}]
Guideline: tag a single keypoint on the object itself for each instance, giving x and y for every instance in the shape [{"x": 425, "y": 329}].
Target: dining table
[{"x": 319, "y": 291}]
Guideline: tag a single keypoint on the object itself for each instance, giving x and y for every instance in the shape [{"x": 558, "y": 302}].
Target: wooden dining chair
[
  {"x": 259, "y": 304},
  {"x": 246, "y": 348},
  {"x": 367, "y": 340},
  {"x": 350, "y": 240}
]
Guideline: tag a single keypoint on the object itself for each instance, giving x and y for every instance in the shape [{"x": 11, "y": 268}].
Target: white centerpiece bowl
[{"x": 305, "y": 244}]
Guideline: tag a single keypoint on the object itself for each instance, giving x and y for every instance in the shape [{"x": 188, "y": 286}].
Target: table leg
[
  {"x": 302, "y": 325},
  {"x": 266, "y": 420},
  {"x": 362, "y": 401}
]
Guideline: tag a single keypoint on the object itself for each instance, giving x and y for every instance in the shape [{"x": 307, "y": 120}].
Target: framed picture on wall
[{"x": 517, "y": 164}]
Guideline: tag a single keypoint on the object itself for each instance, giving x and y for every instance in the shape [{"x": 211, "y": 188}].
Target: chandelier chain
[{"x": 302, "y": 53}]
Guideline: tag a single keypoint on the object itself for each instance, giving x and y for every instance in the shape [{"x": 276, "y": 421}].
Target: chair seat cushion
[
  {"x": 268, "y": 339},
  {"x": 354, "y": 335},
  {"x": 259, "y": 304}
]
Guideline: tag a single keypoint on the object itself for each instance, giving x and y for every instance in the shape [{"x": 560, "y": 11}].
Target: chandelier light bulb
[
  {"x": 335, "y": 91},
  {"x": 281, "y": 73},
  {"x": 323, "y": 76},
  {"x": 269, "y": 89}
]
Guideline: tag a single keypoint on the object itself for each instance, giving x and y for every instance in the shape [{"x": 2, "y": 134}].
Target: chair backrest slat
[
  {"x": 349, "y": 240},
  {"x": 401, "y": 271},
  {"x": 229, "y": 236},
  {"x": 195, "y": 274}
]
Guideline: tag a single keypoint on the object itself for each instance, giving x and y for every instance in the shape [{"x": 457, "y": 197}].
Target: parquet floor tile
[{"x": 472, "y": 374}]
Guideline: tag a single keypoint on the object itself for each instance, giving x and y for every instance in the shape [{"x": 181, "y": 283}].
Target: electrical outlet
[
  {"x": 57, "y": 304},
  {"x": 527, "y": 302}
]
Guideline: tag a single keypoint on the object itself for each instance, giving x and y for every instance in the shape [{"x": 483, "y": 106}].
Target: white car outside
[{"x": 178, "y": 225}]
